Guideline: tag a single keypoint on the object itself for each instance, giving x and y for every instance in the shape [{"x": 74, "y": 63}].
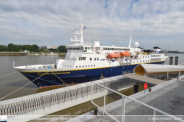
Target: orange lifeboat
[
  {"x": 113, "y": 55},
  {"x": 125, "y": 54}
]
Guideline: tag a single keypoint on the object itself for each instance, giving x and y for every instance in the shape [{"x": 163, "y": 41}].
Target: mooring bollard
[
  {"x": 95, "y": 111},
  {"x": 149, "y": 89}
]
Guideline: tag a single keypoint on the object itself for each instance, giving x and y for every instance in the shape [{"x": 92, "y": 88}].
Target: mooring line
[
  {"x": 42, "y": 79},
  {"x": 22, "y": 87},
  {"x": 60, "y": 79},
  {"x": 8, "y": 74}
]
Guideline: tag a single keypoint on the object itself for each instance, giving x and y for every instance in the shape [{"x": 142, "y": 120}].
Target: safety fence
[{"x": 31, "y": 103}]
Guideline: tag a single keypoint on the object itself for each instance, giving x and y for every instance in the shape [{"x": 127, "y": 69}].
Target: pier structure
[
  {"x": 48, "y": 102},
  {"x": 165, "y": 100}
]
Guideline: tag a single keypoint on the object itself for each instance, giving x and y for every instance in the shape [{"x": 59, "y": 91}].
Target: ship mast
[
  {"x": 82, "y": 28},
  {"x": 74, "y": 38}
]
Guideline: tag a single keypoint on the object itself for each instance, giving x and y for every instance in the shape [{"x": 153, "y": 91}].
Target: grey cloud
[{"x": 45, "y": 20}]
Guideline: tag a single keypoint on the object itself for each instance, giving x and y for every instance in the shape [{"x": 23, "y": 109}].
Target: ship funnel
[{"x": 130, "y": 41}]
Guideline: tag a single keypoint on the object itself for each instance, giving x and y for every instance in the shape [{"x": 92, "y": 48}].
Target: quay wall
[{"x": 13, "y": 54}]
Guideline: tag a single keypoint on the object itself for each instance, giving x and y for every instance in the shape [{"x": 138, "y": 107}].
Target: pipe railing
[{"x": 124, "y": 97}]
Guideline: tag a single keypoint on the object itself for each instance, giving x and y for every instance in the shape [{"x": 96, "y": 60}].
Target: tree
[{"x": 62, "y": 49}]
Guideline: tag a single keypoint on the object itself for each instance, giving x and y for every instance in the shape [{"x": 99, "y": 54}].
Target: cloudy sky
[{"x": 51, "y": 22}]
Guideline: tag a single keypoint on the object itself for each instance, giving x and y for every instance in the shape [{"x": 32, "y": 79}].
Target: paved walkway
[{"x": 169, "y": 99}]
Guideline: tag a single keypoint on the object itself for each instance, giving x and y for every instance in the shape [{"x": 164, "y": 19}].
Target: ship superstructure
[{"x": 87, "y": 62}]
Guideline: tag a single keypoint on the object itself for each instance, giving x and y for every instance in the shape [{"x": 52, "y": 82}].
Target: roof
[{"x": 143, "y": 69}]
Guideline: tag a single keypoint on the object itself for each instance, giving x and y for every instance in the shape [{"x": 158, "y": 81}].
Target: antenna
[{"x": 130, "y": 41}]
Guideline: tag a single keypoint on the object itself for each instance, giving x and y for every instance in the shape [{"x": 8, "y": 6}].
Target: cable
[
  {"x": 8, "y": 74},
  {"x": 21, "y": 87},
  {"x": 60, "y": 79},
  {"x": 42, "y": 79}
]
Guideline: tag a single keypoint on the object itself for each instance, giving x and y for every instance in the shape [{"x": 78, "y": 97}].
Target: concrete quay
[{"x": 167, "y": 97}]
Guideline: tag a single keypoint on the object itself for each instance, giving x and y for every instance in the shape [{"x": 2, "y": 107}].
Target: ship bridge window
[{"x": 90, "y": 59}]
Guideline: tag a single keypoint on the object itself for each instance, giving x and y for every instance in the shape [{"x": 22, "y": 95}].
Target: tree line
[{"x": 31, "y": 48}]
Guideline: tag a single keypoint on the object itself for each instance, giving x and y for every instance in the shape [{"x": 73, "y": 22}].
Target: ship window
[
  {"x": 83, "y": 66},
  {"x": 94, "y": 65},
  {"x": 98, "y": 58},
  {"x": 90, "y": 59},
  {"x": 86, "y": 48},
  {"x": 95, "y": 59},
  {"x": 143, "y": 56},
  {"x": 91, "y": 65},
  {"x": 84, "y": 58},
  {"x": 76, "y": 66},
  {"x": 80, "y": 66},
  {"x": 137, "y": 61},
  {"x": 88, "y": 65}
]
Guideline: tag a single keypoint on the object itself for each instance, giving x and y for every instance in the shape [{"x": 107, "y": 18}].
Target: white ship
[{"x": 86, "y": 62}]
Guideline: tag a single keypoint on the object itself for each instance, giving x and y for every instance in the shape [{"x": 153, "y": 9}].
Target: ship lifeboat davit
[
  {"x": 125, "y": 54},
  {"x": 113, "y": 55}
]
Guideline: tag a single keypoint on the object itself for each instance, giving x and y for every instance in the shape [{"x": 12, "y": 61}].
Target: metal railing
[
  {"x": 31, "y": 103},
  {"x": 124, "y": 97}
]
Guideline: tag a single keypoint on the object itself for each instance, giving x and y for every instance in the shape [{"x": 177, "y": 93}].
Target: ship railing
[{"x": 41, "y": 66}]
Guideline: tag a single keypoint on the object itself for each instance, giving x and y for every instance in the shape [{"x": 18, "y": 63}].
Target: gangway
[{"x": 144, "y": 79}]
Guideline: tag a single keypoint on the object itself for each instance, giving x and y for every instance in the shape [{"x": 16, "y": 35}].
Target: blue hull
[{"x": 78, "y": 76}]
